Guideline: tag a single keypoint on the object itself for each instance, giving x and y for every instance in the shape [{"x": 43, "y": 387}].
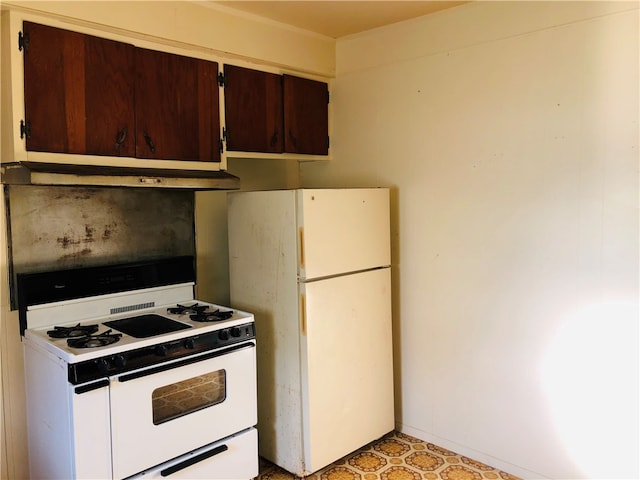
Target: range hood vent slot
[{"x": 39, "y": 173}]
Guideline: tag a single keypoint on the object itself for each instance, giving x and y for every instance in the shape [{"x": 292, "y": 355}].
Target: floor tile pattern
[{"x": 397, "y": 456}]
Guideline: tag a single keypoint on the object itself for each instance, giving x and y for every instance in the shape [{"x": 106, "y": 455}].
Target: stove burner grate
[
  {"x": 194, "y": 309},
  {"x": 215, "y": 316},
  {"x": 72, "y": 332},
  {"x": 93, "y": 341}
]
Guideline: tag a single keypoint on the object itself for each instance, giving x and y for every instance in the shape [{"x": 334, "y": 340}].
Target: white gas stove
[{"x": 129, "y": 376}]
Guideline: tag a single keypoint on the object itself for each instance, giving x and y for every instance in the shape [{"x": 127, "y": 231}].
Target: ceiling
[{"x": 336, "y": 19}]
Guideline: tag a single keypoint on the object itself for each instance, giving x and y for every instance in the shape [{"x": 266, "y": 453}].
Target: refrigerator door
[
  {"x": 347, "y": 374},
  {"x": 342, "y": 230}
]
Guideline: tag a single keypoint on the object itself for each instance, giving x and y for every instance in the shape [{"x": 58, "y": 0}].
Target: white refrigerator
[{"x": 313, "y": 266}]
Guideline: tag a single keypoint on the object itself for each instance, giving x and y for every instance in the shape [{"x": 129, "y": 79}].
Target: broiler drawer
[{"x": 235, "y": 457}]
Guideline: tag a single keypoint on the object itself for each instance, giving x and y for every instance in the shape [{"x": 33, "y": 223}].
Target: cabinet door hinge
[
  {"x": 25, "y": 129},
  {"x": 224, "y": 138},
  {"x": 23, "y": 41},
  {"x": 221, "y": 80},
  {"x": 328, "y": 97},
  {"x": 221, "y": 146},
  {"x": 328, "y": 141}
]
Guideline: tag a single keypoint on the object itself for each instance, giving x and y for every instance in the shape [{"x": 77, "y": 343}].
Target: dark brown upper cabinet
[
  {"x": 306, "y": 117},
  {"x": 253, "y": 110},
  {"x": 177, "y": 107},
  {"x": 271, "y": 113},
  {"x": 91, "y": 96},
  {"x": 79, "y": 93}
]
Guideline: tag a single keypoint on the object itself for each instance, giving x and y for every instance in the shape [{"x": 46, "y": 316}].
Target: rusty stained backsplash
[{"x": 55, "y": 228}]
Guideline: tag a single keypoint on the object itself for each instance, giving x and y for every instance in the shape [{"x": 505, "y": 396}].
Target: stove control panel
[{"x": 110, "y": 365}]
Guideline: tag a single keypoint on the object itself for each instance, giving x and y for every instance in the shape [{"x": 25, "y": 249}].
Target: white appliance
[
  {"x": 313, "y": 265},
  {"x": 127, "y": 376}
]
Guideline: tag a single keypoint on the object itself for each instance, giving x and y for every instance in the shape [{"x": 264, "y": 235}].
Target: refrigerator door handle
[
  {"x": 303, "y": 315},
  {"x": 301, "y": 247}
]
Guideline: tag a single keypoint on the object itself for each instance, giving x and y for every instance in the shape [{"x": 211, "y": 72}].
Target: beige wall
[
  {"x": 186, "y": 26},
  {"x": 198, "y": 25},
  {"x": 508, "y": 132}
]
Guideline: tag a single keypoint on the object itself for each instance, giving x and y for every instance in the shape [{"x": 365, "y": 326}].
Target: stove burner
[
  {"x": 72, "y": 332},
  {"x": 215, "y": 316},
  {"x": 92, "y": 341},
  {"x": 195, "y": 309}
]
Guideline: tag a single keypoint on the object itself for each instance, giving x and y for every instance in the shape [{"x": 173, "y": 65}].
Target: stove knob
[
  {"x": 223, "y": 335},
  {"x": 119, "y": 361},
  {"x": 189, "y": 343},
  {"x": 102, "y": 364},
  {"x": 235, "y": 332},
  {"x": 162, "y": 350}
]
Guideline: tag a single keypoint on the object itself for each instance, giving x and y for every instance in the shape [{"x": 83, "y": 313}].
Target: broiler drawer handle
[{"x": 192, "y": 461}]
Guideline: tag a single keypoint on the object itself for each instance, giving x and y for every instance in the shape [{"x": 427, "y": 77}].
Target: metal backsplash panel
[{"x": 54, "y": 228}]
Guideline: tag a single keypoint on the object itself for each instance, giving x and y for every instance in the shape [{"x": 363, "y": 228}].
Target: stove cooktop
[
  {"x": 119, "y": 308},
  {"x": 143, "y": 328},
  {"x": 114, "y": 345}
]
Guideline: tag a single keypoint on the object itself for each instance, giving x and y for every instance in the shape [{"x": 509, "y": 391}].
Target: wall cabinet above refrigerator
[{"x": 271, "y": 113}]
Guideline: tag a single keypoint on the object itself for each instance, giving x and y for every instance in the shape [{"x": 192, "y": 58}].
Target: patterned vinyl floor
[{"x": 397, "y": 456}]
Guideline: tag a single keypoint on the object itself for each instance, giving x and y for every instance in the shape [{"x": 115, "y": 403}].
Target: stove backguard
[{"x": 47, "y": 287}]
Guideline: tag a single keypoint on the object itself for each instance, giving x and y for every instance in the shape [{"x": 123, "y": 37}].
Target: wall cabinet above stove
[
  {"x": 92, "y": 96},
  {"x": 271, "y": 113},
  {"x": 78, "y": 93},
  {"x": 177, "y": 107},
  {"x": 83, "y": 106}
]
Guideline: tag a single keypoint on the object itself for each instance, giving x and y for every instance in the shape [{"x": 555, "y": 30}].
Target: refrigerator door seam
[{"x": 327, "y": 277}]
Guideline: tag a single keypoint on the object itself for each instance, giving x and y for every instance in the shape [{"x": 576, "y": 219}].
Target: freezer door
[
  {"x": 342, "y": 230},
  {"x": 347, "y": 360}
]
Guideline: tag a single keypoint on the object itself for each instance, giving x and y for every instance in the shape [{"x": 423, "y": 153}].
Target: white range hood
[{"x": 40, "y": 173}]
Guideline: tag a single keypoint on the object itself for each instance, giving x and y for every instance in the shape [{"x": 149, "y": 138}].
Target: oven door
[{"x": 162, "y": 412}]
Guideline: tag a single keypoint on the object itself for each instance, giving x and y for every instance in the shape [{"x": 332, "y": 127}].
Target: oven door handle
[
  {"x": 192, "y": 461},
  {"x": 187, "y": 361}
]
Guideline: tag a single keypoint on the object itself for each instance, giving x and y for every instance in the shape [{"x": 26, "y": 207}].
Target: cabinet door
[
  {"x": 78, "y": 93},
  {"x": 306, "y": 117},
  {"x": 253, "y": 110},
  {"x": 176, "y": 107}
]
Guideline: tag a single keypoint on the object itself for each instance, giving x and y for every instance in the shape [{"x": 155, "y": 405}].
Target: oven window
[{"x": 187, "y": 396}]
